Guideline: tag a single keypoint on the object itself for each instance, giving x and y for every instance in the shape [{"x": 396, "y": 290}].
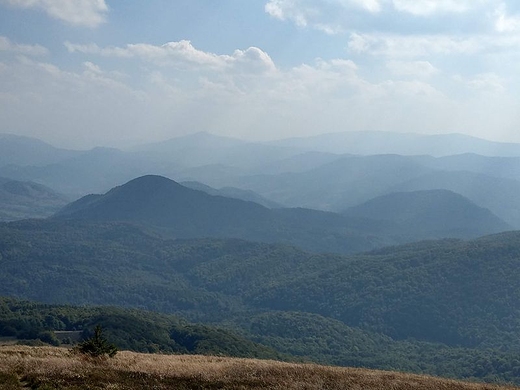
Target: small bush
[{"x": 97, "y": 345}]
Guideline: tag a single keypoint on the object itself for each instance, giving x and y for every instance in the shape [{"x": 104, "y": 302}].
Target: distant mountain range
[
  {"x": 351, "y": 180},
  {"x": 170, "y": 208},
  {"x": 383, "y": 142},
  {"x": 286, "y": 173},
  {"x": 26, "y": 151}
]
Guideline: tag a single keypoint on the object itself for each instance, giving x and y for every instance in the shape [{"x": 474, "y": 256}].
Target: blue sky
[{"x": 81, "y": 73}]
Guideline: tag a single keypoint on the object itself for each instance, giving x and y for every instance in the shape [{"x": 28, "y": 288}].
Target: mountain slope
[
  {"x": 440, "y": 213},
  {"x": 331, "y": 308},
  {"x": 25, "y": 151},
  {"x": 20, "y": 200},
  {"x": 232, "y": 192},
  {"x": 162, "y": 202},
  {"x": 499, "y": 195},
  {"x": 352, "y": 180},
  {"x": 344, "y": 182},
  {"x": 45, "y": 367},
  {"x": 128, "y": 329},
  {"x": 451, "y": 291},
  {"x": 178, "y": 211},
  {"x": 92, "y": 171}
]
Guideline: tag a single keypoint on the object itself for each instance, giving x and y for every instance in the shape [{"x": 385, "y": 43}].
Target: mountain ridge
[{"x": 180, "y": 212}]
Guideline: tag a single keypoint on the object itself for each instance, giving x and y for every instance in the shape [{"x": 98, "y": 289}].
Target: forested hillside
[
  {"x": 176, "y": 211},
  {"x": 135, "y": 330},
  {"x": 451, "y": 301}
]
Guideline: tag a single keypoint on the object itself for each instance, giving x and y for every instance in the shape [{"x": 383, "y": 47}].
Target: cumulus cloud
[
  {"x": 181, "y": 54},
  {"x": 87, "y": 13},
  {"x": 30, "y": 50}
]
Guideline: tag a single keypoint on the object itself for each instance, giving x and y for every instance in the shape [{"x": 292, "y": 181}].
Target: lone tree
[{"x": 97, "y": 345}]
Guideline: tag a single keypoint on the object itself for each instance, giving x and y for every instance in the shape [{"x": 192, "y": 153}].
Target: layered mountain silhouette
[
  {"x": 177, "y": 211},
  {"x": 181, "y": 212},
  {"x": 25, "y": 151},
  {"x": 384, "y": 142},
  {"x": 232, "y": 192}
]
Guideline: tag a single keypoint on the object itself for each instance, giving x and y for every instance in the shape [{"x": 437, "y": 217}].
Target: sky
[{"x": 85, "y": 73}]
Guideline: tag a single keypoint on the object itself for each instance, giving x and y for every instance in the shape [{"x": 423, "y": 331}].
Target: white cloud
[
  {"x": 30, "y": 50},
  {"x": 328, "y": 16},
  {"x": 244, "y": 92},
  {"x": 88, "y": 13},
  {"x": 368, "y": 5},
  {"x": 393, "y": 45},
  {"x": 504, "y": 22},
  {"x": 486, "y": 82},
  {"x": 416, "y": 69},
  {"x": 91, "y": 67},
  {"x": 428, "y": 7},
  {"x": 293, "y": 10},
  {"x": 253, "y": 59},
  {"x": 182, "y": 54}
]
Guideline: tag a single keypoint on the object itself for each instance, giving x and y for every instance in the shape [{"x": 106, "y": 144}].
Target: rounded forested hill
[{"x": 437, "y": 212}]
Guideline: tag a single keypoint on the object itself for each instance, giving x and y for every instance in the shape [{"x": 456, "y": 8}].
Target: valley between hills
[{"x": 211, "y": 246}]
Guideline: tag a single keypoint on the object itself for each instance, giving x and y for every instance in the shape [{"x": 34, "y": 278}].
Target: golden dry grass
[{"x": 56, "y": 368}]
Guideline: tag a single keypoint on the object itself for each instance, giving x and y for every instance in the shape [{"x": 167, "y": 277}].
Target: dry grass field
[{"x": 56, "y": 368}]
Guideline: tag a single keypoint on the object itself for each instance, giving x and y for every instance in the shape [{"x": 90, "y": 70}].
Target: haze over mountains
[
  {"x": 20, "y": 200},
  {"x": 382, "y": 142},
  {"x": 297, "y": 249},
  {"x": 288, "y": 173},
  {"x": 180, "y": 212}
]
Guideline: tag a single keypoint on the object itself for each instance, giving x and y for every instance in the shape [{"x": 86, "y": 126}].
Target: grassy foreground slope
[{"x": 46, "y": 367}]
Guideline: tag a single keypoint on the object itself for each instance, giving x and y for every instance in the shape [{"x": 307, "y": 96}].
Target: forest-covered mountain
[
  {"x": 408, "y": 307},
  {"x": 177, "y": 211},
  {"x": 429, "y": 213},
  {"x": 181, "y": 212},
  {"x": 448, "y": 291}
]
